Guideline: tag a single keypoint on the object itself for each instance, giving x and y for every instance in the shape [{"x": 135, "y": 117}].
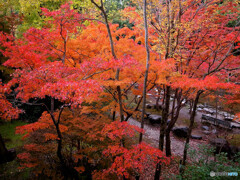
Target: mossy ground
[
  {"x": 9, "y": 170},
  {"x": 7, "y": 131}
]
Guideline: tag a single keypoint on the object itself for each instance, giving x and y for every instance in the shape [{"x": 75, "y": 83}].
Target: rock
[
  {"x": 207, "y": 132},
  {"x": 208, "y": 111},
  {"x": 155, "y": 119},
  {"x": 235, "y": 125},
  {"x": 214, "y": 131},
  {"x": 218, "y": 141},
  {"x": 228, "y": 119},
  {"x": 153, "y": 106},
  {"x": 221, "y": 145},
  {"x": 159, "y": 107},
  {"x": 180, "y": 131},
  {"x": 235, "y": 149},
  {"x": 149, "y": 106},
  {"x": 200, "y": 106},
  {"x": 196, "y": 137},
  {"x": 235, "y": 152},
  {"x": 147, "y": 114},
  {"x": 184, "y": 101},
  {"x": 206, "y": 128},
  {"x": 199, "y": 109}
]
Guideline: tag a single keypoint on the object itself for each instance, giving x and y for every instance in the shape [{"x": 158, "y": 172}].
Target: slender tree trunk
[
  {"x": 163, "y": 125},
  {"x": 147, "y": 67},
  {"x": 101, "y": 8},
  {"x": 168, "y": 130},
  {"x": 164, "y": 117},
  {"x": 168, "y": 144},
  {"x": 174, "y": 117},
  {"x": 120, "y": 103},
  {"x": 78, "y": 145},
  {"x": 158, "y": 99},
  {"x": 114, "y": 115},
  {"x": 115, "y": 57},
  {"x": 216, "y": 107},
  {"x": 52, "y": 105},
  {"x": 191, "y": 106},
  {"x": 59, "y": 147},
  {"x": 59, "y": 140},
  {"x": 66, "y": 171},
  {"x": 168, "y": 140},
  {"x": 192, "y": 118},
  {"x": 146, "y": 72}
]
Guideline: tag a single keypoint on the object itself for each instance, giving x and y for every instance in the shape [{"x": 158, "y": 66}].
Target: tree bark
[
  {"x": 164, "y": 117},
  {"x": 101, "y": 8},
  {"x": 192, "y": 118},
  {"x": 147, "y": 67},
  {"x": 163, "y": 125},
  {"x": 174, "y": 117},
  {"x": 114, "y": 115},
  {"x": 158, "y": 99}
]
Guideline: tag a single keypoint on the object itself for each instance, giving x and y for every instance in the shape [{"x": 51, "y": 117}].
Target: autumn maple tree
[
  {"x": 61, "y": 61},
  {"x": 96, "y": 75},
  {"x": 195, "y": 46}
]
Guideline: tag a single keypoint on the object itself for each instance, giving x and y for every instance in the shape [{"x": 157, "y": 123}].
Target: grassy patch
[
  {"x": 154, "y": 111},
  {"x": 10, "y": 170},
  {"x": 7, "y": 130},
  {"x": 186, "y": 122},
  {"x": 234, "y": 139}
]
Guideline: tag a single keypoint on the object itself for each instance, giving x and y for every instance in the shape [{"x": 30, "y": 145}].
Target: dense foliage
[{"x": 83, "y": 64}]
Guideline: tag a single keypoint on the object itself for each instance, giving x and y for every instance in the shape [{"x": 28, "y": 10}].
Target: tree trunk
[
  {"x": 168, "y": 144},
  {"x": 114, "y": 114},
  {"x": 101, "y": 8},
  {"x": 59, "y": 142},
  {"x": 120, "y": 103},
  {"x": 217, "y": 107},
  {"x": 174, "y": 117},
  {"x": 59, "y": 134},
  {"x": 158, "y": 99},
  {"x": 192, "y": 118},
  {"x": 164, "y": 117},
  {"x": 191, "y": 106},
  {"x": 163, "y": 125},
  {"x": 147, "y": 67}
]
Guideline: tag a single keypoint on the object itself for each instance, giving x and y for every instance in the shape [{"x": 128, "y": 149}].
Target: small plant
[{"x": 203, "y": 163}]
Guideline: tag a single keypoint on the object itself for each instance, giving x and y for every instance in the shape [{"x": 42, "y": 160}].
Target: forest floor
[
  {"x": 177, "y": 144},
  {"x": 151, "y": 136}
]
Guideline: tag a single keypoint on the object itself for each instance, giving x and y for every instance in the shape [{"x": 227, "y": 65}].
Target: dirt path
[
  {"x": 177, "y": 144},
  {"x": 152, "y": 136}
]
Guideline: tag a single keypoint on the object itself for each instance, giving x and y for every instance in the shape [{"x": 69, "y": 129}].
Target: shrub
[{"x": 203, "y": 163}]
